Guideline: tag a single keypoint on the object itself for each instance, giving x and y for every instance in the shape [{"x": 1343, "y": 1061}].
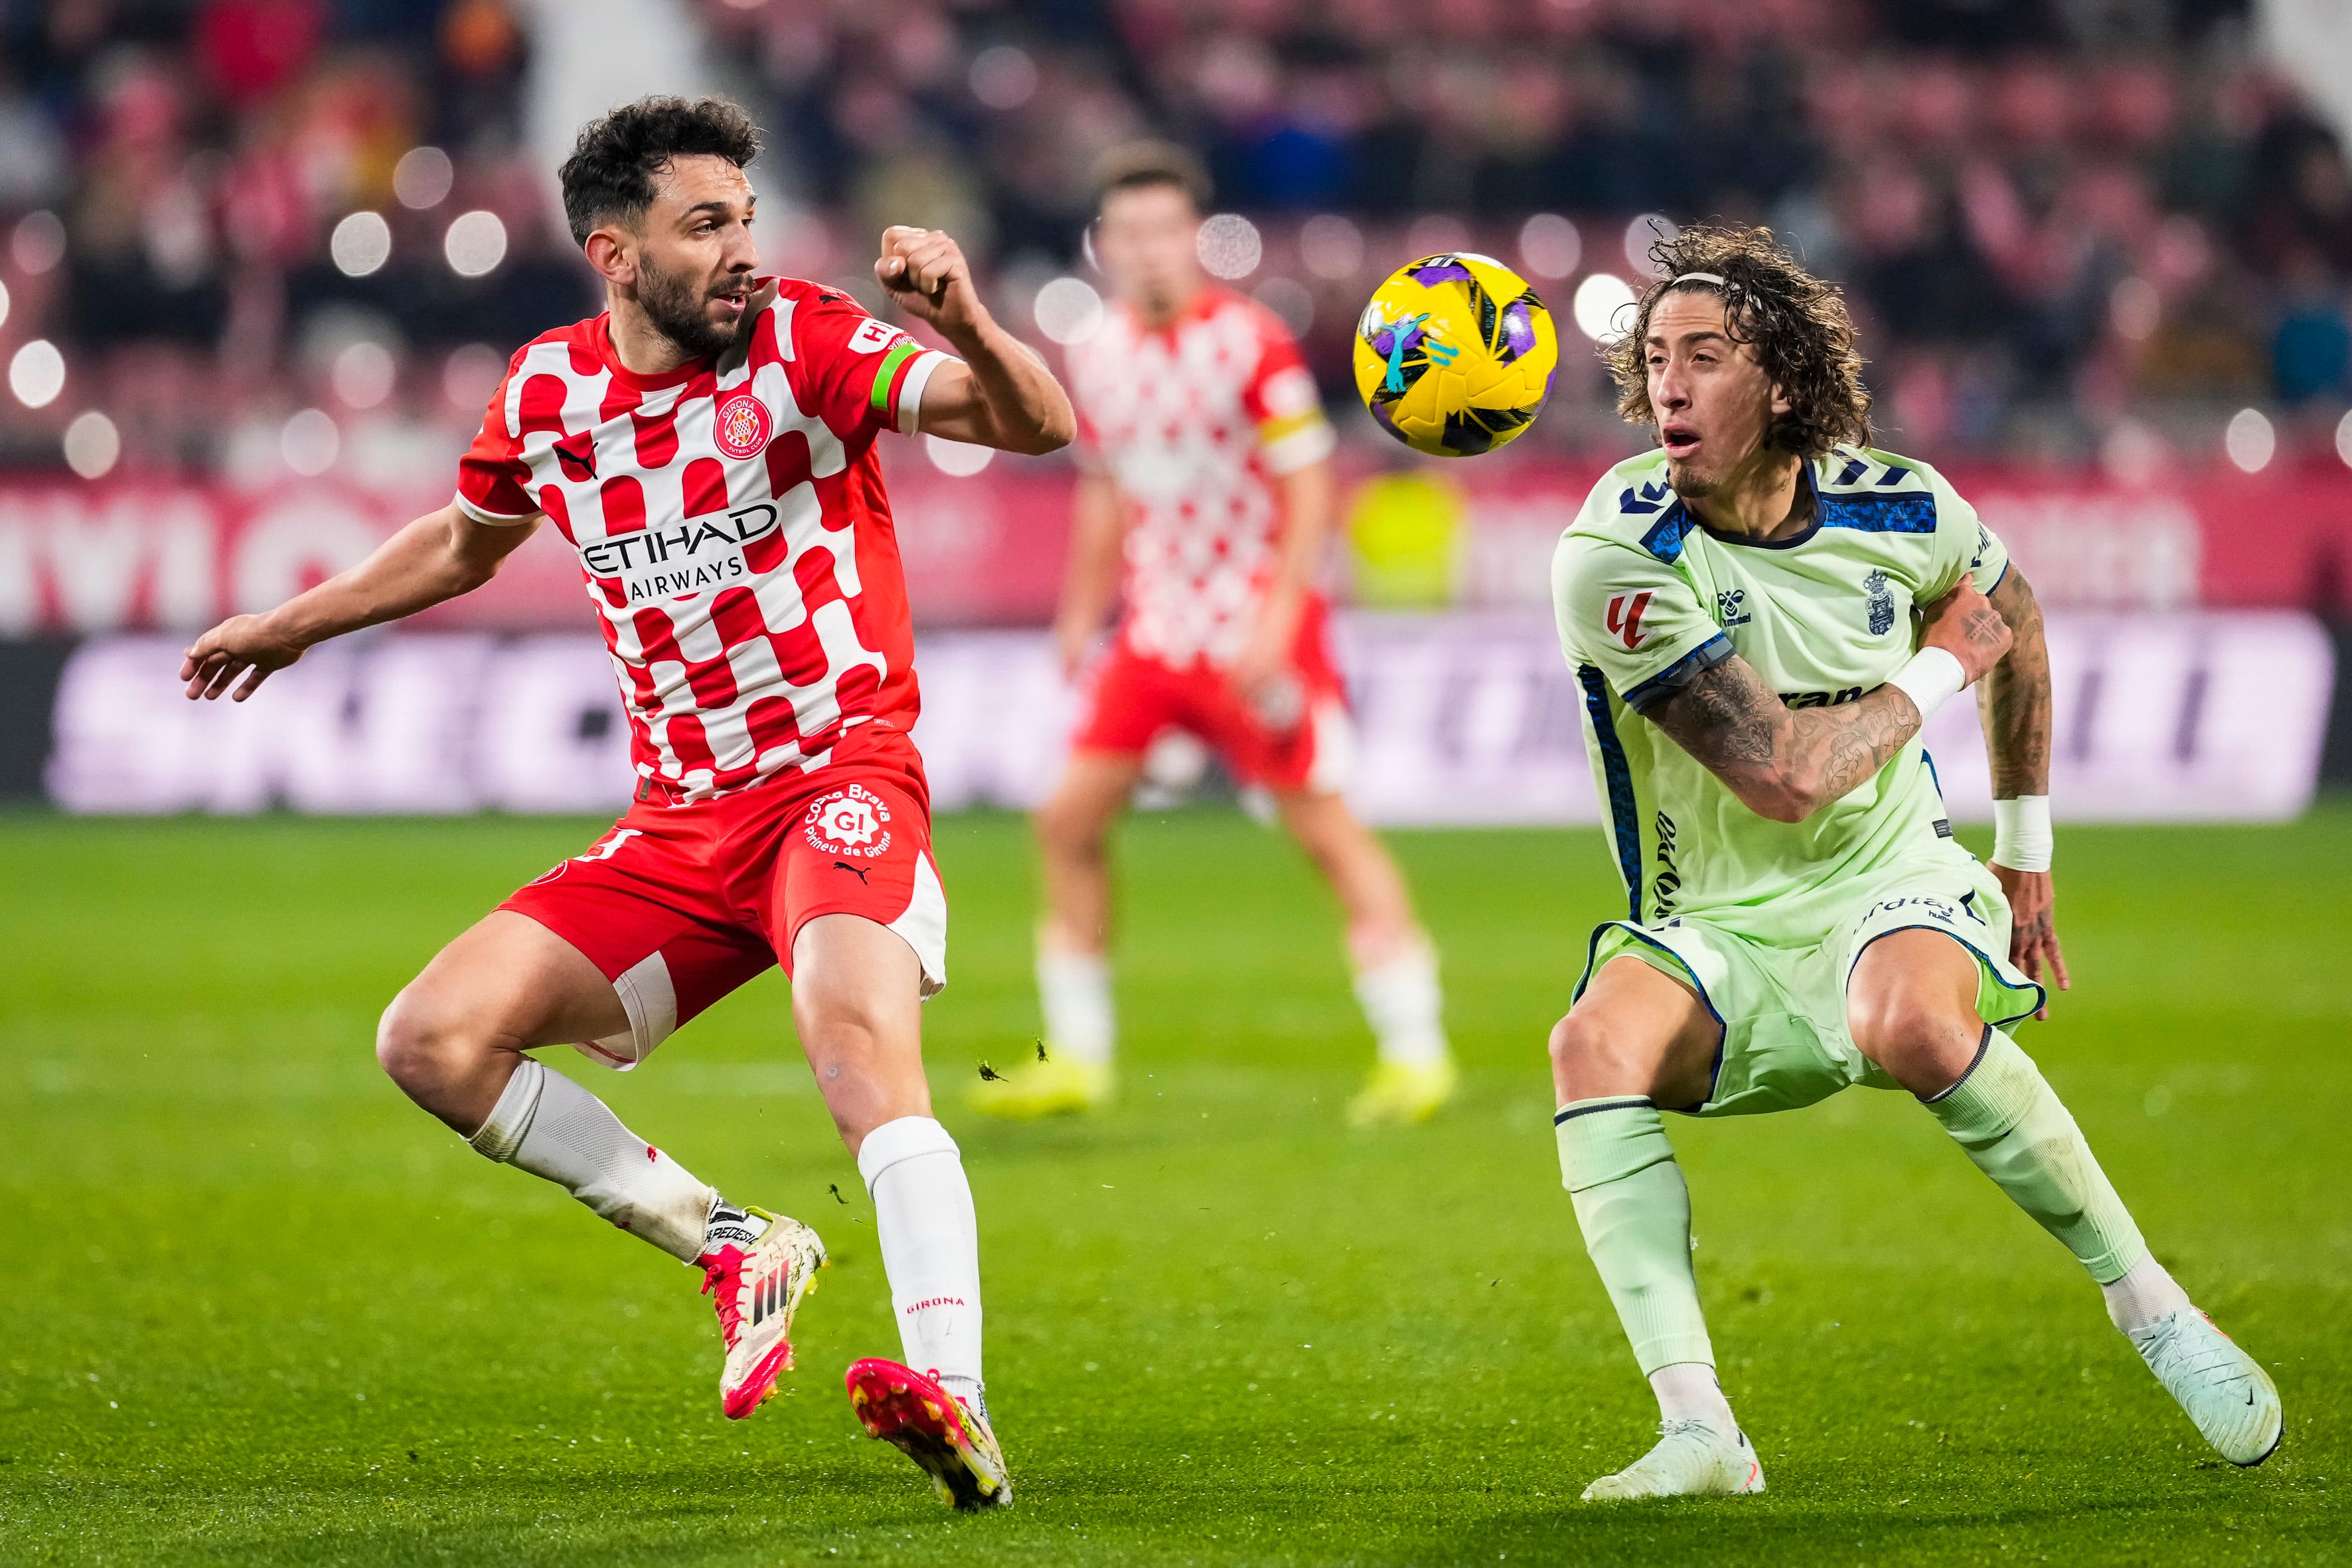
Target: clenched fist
[{"x": 926, "y": 273}]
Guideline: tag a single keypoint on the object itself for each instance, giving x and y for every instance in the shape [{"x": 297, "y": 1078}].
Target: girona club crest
[
  {"x": 743, "y": 426},
  {"x": 852, "y": 821}
]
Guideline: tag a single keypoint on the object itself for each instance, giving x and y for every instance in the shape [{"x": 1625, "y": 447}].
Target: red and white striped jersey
[
  {"x": 1193, "y": 421},
  {"x": 730, "y": 523}
]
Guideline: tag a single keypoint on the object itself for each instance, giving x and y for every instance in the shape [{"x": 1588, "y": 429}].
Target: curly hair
[
  {"x": 610, "y": 175},
  {"x": 1797, "y": 323}
]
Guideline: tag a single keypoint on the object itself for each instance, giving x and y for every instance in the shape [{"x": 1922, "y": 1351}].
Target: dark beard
[
  {"x": 1687, "y": 485},
  {"x": 676, "y": 306}
]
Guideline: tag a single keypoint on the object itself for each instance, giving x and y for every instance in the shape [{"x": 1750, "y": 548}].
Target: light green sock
[
  {"x": 1635, "y": 1210},
  {"x": 2011, "y": 1123}
]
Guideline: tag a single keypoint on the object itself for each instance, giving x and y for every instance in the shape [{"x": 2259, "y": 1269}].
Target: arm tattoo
[
  {"x": 1768, "y": 755},
  {"x": 2013, "y": 701}
]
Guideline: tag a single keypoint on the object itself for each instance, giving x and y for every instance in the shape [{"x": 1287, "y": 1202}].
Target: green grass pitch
[{"x": 257, "y": 1309}]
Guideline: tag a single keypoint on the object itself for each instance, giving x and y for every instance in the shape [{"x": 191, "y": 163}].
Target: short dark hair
[
  {"x": 1798, "y": 323},
  {"x": 1135, "y": 165},
  {"x": 610, "y": 173}
]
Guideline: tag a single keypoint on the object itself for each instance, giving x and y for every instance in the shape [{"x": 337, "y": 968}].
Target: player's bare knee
[
  {"x": 1914, "y": 1034},
  {"x": 1070, "y": 832},
  {"x": 1585, "y": 1051},
  {"x": 420, "y": 1043}
]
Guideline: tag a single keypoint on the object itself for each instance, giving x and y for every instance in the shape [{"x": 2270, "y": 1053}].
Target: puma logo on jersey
[
  {"x": 577, "y": 457},
  {"x": 1625, "y": 617}
]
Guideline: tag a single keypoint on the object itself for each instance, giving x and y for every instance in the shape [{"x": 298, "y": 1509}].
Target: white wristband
[
  {"x": 2020, "y": 833},
  {"x": 1930, "y": 677}
]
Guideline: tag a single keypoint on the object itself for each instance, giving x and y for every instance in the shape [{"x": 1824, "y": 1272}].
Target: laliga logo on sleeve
[
  {"x": 1625, "y": 618},
  {"x": 852, "y": 821},
  {"x": 742, "y": 425}
]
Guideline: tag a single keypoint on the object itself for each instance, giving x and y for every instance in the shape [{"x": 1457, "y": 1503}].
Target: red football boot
[{"x": 950, "y": 1439}]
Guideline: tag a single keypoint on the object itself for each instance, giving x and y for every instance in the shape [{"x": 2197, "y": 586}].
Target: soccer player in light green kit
[{"x": 1762, "y": 615}]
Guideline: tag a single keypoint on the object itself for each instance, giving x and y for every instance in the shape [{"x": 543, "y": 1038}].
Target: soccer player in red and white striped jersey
[
  {"x": 707, "y": 447},
  {"x": 1207, "y": 478}
]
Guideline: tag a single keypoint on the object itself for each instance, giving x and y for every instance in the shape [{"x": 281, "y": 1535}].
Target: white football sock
[
  {"x": 549, "y": 1126},
  {"x": 1403, "y": 1003},
  {"x": 1687, "y": 1391},
  {"x": 2144, "y": 1297},
  {"x": 930, "y": 1246},
  {"x": 1074, "y": 989}
]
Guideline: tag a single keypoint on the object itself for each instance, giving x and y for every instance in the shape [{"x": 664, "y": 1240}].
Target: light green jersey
[{"x": 1647, "y": 596}]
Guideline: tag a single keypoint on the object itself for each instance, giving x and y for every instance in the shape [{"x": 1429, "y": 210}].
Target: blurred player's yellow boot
[
  {"x": 1046, "y": 1089},
  {"x": 1692, "y": 1459},
  {"x": 1400, "y": 1093}
]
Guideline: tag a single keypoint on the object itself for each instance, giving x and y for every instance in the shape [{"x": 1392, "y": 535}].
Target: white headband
[{"x": 1698, "y": 278}]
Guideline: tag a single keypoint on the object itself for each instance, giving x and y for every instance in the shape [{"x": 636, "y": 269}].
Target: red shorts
[
  {"x": 1134, "y": 698},
  {"x": 679, "y": 904}
]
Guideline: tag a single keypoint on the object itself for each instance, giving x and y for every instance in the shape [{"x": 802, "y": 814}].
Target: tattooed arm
[
  {"x": 1787, "y": 764},
  {"x": 2013, "y": 702}
]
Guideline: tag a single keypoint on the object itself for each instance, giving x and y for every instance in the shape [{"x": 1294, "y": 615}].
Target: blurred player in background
[
  {"x": 708, "y": 447},
  {"x": 1738, "y": 607},
  {"x": 1207, "y": 471}
]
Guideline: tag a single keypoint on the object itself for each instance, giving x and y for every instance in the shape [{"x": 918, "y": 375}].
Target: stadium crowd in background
[{"x": 262, "y": 232}]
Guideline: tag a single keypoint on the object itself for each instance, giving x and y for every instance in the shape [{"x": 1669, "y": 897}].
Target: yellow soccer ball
[{"x": 1454, "y": 354}]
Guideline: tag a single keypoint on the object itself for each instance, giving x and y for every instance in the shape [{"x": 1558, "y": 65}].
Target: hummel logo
[{"x": 857, "y": 871}]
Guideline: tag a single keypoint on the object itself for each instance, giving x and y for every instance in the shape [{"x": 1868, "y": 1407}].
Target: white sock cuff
[
  {"x": 509, "y": 1118},
  {"x": 1403, "y": 1003},
  {"x": 1073, "y": 991},
  {"x": 908, "y": 1138}
]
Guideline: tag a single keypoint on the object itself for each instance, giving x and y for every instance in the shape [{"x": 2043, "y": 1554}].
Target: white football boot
[
  {"x": 757, "y": 1289},
  {"x": 2225, "y": 1391},
  {"x": 1691, "y": 1459}
]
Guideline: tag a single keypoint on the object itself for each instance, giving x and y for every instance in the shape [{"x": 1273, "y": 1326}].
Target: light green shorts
[{"x": 1782, "y": 1006}]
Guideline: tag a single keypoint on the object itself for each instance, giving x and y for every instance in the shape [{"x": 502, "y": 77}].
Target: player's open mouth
[
  {"x": 1679, "y": 440},
  {"x": 734, "y": 300}
]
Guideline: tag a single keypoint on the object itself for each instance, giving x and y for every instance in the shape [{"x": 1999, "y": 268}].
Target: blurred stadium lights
[
  {"x": 2136, "y": 309},
  {"x": 311, "y": 443},
  {"x": 1290, "y": 299},
  {"x": 469, "y": 374},
  {"x": 38, "y": 243},
  {"x": 361, "y": 244},
  {"x": 423, "y": 177},
  {"x": 1434, "y": 233},
  {"x": 1230, "y": 247},
  {"x": 1599, "y": 300},
  {"x": 4, "y": 304},
  {"x": 2249, "y": 440},
  {"x": 960, "y": 459},
  {"x": 93, "y": 444},
  {"x": 475, "y": 244},
  {"x": 1549, "y": 246},
  {"x": 2132, "y": 454},
  {"x": 1068, "y": 310},
  {"x": 1003, "y": 76},
  {"x": 1331, "y": 247},
  {"x": 2343, "y": 438},
  {"x": 363, "y": 373},
  {"x": 37, "y": 374},
  {"x": 1642, "y": 233}
]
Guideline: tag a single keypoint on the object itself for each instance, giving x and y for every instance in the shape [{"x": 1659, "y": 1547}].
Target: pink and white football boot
[
  {"x": 949, "y": 1438},
  {"x": 757, "y": 1286}
]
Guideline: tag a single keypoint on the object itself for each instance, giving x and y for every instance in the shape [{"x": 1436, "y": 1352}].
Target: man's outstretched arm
[
  {"x": 439, "y": 556},
  {"x": 1787, "y": 764},
  {"x": 2013, "y": 703}
]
